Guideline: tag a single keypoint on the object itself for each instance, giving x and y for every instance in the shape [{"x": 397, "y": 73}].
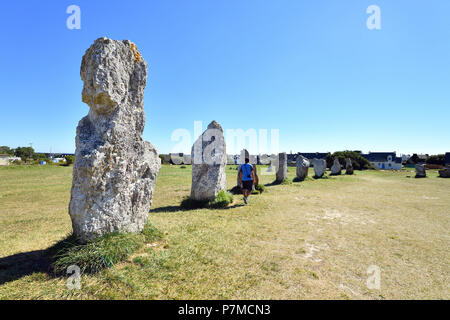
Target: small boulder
[
  {"x": 320, "y": 166},
  {"x": 420, "y": 171},
  {"x": 336, "y": 167},
  {"x": 348, "y": 166},
  {"x": 302, "y": 166},
  {"x": 282, "y": 167},
  {"x": 445, "y": 172}
]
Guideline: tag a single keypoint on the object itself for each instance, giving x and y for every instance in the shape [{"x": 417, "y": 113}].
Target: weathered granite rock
[
  {"x": 238, "y": 181},
  {"x": 320, "y": 166},
  {"x": 176, "y": 158},
  {"x": 255, "y": 169},
  {"x": 348, "y": 166},
  {"x": 302, "y": 166},
  {"x": 282, "y": 167},
  {"x": 187, "y": 159},
  {"x": 420, "y": 171},
  {"x": 166, "y": 158},
  {"x": 264, "y": 159},
  {"x": 243, "y": 155},
  {"x": 115, "y": 171},
  {"x": 209, "y": 159},
  {"x": 336, "y": 167},
  {"x": 241, "y": 160},
  {"x": 445, "y": 172}
]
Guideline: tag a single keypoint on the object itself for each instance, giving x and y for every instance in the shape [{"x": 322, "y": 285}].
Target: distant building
[
  {"x": 417, "y": 158},
  {"x": 423, "y": 157},
  {"x": 4, "y": 159},
  {"x": 58, "y": 160},
  {"x": 384, "y": 160},
  {"x": 12, "y": 159},
  {"x": 312, "y": 155}
]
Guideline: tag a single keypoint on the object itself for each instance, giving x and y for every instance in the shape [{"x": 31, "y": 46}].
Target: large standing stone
[
  {"x": 445, "y": 172},
  {"x": 336, "y": 167},
  {"x": 187, "y": 159},
  {"x": 115, "y": 171},
  {"x": 282, "y": 167},
  {"x": 302, "y": 166},
  {"x": 320, "y": 166},
  {"x": 209, "y": 159},
  {"x": 265, "y": 159},
  {"x": 166, "y": 158},
  {"x": 420, "y": 171},
  {"x": 348, "y": 166},
  {"x": 255, "y": 169},
  {"x": 243, "y": 155},
  {"x": 176, "y": 158},
  {"x": 241, "y": 160}
]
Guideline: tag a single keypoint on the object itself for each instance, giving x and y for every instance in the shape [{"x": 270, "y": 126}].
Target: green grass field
[{"x": 304, "y": 240}]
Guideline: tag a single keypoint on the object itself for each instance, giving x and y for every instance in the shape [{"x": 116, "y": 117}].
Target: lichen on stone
[{"x": 136, "y": 53}]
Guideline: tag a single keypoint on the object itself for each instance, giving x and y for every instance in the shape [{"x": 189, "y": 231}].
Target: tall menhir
[{"x": 115, "y": 170}]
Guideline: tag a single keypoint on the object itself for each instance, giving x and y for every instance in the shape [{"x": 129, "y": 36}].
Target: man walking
[{"x": 247, "y": 177}]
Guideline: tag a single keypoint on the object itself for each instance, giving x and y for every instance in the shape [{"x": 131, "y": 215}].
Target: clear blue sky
[{"x": 311, "y": 69}]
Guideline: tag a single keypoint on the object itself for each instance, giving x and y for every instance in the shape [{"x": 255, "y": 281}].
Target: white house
[
  {"x": 4, "y": 159},
  {"x": 384, "y": 160}
]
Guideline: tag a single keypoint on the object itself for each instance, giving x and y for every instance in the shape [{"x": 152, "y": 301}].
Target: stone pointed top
[{"x": 215, "y": 125}]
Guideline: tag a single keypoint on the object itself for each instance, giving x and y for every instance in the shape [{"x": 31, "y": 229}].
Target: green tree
[
  {"x": 358, "y": 161},
  {"x": 69, "y": 160},
  {"x": 6, "y": 150},
  {"x": 436, "y": 159},
  {"x": 24, "y": 152}
]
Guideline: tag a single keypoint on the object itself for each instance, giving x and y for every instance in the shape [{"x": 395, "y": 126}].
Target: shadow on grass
[
  {"x": 181, "y": 209},
  {"x": 169, "y": 209},
  {"x": 233, "y": 206},
  {"x": 24, "y": 264},
  {"x": 277, "y": 183}
]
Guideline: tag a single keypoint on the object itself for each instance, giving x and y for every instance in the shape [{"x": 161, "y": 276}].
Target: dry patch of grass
[{"x": 310, "y": 239}]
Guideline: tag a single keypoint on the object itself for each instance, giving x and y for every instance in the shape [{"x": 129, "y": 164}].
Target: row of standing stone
[
  {"x": 303, "y": 164},
  {"x": 422, "y": 173},
  {"x": 115, "y": 170}
]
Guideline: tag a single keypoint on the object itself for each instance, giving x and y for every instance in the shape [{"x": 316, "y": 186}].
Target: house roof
[
  {"x": 380, "y": 156},
  {"x": 423, "y": 156}
]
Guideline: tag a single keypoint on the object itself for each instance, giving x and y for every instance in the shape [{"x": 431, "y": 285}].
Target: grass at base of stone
[
  {"x": 284, "y": 182},
  {"x": 223, "y": 199},
  {"x": 322, "y": 177},
  {"x": 261, "y": 188},
  {"x": 101, "y": 253}
]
